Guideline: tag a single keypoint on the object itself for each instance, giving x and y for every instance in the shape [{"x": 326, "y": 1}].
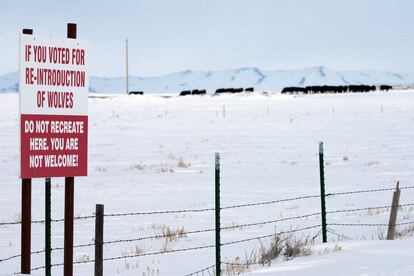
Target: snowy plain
[{"x": 269, "y": 151}]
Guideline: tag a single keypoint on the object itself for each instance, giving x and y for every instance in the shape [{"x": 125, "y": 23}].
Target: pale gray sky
[{"x": 172, "y": 35}]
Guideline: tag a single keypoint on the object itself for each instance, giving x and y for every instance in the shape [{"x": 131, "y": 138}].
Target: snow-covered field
[
  {"x": 148, "y": 153},
  {"x": 353, "y": 258}
]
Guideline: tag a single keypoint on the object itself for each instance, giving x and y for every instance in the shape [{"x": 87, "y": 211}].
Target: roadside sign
[{"x": 53, "y": 90}]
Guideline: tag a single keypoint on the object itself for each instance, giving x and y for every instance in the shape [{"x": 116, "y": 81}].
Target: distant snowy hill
[
  {"x": 9, "y": 82},
  {"x": 261, "y": 80}
]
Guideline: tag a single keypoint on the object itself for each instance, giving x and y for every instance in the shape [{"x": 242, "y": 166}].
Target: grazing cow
[
  {"x": 198, "y": 92},
  {"x": 185, "y": 93},
  {"x": 293, "y": 89},
  {"x": 385, "y": 87},
  {"x": 330, "y": 89},
  {"x": 135, "y": 93},
  {"x": 229, "y": 90}
]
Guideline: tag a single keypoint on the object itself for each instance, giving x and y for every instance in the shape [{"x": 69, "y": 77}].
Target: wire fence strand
[
  {"x": 369, "y": 208},
  {"x": 371, "y": 224},
  {"x": 43, "y": 221},
  {"x": 368, "y": 191},
  {"x": 201, "y": 271},
  {"x": 269, "y": 202},
  {"x": 212, "y": 209},
  {"x": 159, "y": 236},
  {"x": 270, "y": 235}
]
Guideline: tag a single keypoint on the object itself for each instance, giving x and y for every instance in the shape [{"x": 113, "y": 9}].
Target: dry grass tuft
[
  {"x": 287, "y": 246},
  {"x": 171, "y": 234},
  {"x": 182, "y": 164}
]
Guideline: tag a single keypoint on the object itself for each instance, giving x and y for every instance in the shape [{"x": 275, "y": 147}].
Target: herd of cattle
[
  {"x": 218, "y": 91},
  {"x": 315, "y": 89}
]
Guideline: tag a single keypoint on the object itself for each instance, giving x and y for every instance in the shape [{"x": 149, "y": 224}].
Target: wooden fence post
[
  {"x": 25, "y": 265},
  {"x": 99, "y": 228},
  {"x": 69, "y": 201},
  {"x": 48, "y": 226},
  {"x": 394, "y": 212}
]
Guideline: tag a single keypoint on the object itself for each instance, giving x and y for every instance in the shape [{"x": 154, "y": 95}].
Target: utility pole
[{"x": 126, "y": 65}]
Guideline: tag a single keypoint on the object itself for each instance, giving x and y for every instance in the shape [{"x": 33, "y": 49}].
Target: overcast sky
[{"x": 173, "y": 35}]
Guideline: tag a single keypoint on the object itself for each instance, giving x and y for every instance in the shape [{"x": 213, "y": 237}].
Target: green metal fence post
[
  {"x": 322, "y": 178},
  {"x": 48, "y": 246},
  {"x": 217, "y": 207}
]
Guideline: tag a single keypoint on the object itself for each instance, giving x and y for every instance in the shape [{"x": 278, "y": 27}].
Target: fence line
[
  {"x": 160, "y": 236},
  {"x": 225, "y": 227},
  {"x": 183, "y": 249},
  {"x": 212, "y": 209}
]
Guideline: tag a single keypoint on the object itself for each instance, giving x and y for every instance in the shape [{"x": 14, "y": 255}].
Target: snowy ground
[
  {"x": 353, "y": 258},
  {"x": 269, "y": 151}
]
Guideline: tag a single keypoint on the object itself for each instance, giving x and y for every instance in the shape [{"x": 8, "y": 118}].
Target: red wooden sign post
[{"x": 26, "y": 214}]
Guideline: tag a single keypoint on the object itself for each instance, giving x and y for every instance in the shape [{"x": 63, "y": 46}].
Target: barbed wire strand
[
  {"x": 270, "y": 235},
  {"x": 43, "y": 221},
  {"x": 212, "y": 209},
  {"x": 160, "y": 236},
  {"x": 330, "y": 230},
  {"x": 242, "y": 264},
  {"x": 372, "y": 224},
  {"x": 17, "y": 256},
  {"x": 180, "y": 249},
  {"x": 134, "y": 255},
  {"x": 269, "y": 202},
  {"x": 368, "y": 191},
  {"x": 268, "y": 222},
  {"x": 369, "y": 208},
  {"x": 201, "y": 270}
]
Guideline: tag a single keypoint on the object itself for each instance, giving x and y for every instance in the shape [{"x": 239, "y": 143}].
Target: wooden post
[
  {"x": 99, "y": 225},
  {"x": 69, "y": 206},
  {"x": 25, "y": 265},
  {"x": 394, "y": 212},
  {"x": 126, "y": 67},
  {"x": 26, "y": 225},
  {"x": 48, "y": 219},
  {"x": 69, "y": 200}
]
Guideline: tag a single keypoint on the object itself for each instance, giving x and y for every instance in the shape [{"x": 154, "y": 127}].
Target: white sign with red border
[{"x": 53, "y": 90}]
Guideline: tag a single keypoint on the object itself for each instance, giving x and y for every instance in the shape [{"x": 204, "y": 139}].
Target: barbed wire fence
[{"x": 212, "y": 269}]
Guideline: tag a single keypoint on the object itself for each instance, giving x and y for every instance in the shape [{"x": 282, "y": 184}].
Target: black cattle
[
  {"x": 321, "y": 89},
  {"x": 220, "y": 90},
  {"x": 185, "y": 93},
  {"x": 236, "y": 90},
  {"x": 229, "y": 90},
  {"x": 385, "y": 87},
  {"x": 292, "y": 89},
  {"x": 198, "y": 92},
  {"x": 135, "y": 93},
  {"x": 362, "y": 88},
  {"x": 249, "y": 89}
]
